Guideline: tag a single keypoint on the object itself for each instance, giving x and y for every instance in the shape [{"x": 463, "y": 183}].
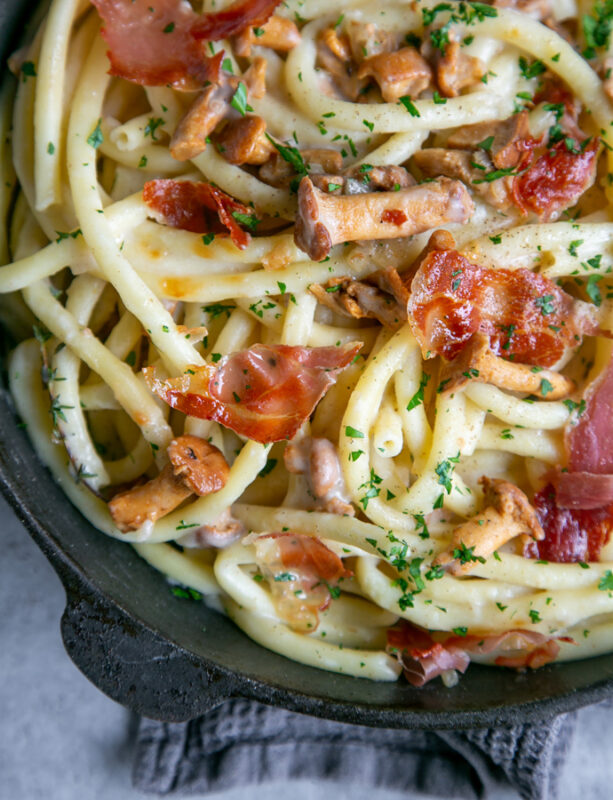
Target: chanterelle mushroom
[
  {"x": 317, "y": 459},
  {"x": 325, "y": 220},
  {"x": 476, "y": 362},
  {"x": 243, "y": 141},
  {"x": 196, "y": 466},
  {"x": 507, "y": 139},
  {"x": 401, "y": 73},
  {"x": 279, "y": 33},
  {"x": 507, "y": 514},
  {"x": 456, "y": 71},
  {"x": 468, "y": 166},
  {"x": 279, "y": 172},
  {"x": 210, "y": 107},
  {"x": 382, "y": 296}
]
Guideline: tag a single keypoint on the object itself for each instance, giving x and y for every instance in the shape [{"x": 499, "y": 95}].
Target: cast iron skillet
[{"x": 172, "y": 659}]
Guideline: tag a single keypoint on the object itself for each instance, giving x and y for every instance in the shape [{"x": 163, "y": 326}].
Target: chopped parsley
[
  {"x": 531, "y": 70},
  {"x": 410, "y": 106},
  {"x": 268, "y": 467},
  {"x": 353, "y": 432},
  {"x": 185, "y": 593},
  {"x": 444, "y": 470},
  {"x": 546, "y": 304},
  {"x": 466, "y": 554},
  {"x": 239, "y": 100},
  {"x": 216, "y": 309},
  {"x": 593, "y": 290},
  {"x": 418, "y": 397},
  {"x": 283, "y": 577},
  {"x": 248, "y": 220},
  {"x": 152, "y": 125},
  {"x": 95, "y": 138},
  {"x": 606, "y": 582}
]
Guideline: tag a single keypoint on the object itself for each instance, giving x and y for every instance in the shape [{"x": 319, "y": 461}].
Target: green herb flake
[
  {"x": 185, "y": 593},
  {"x": 593, "y": 290},
  {"x": 486, "y": 144},
  {"x": 418, "y": 397},
  {"x": 239, "y": 99},
  {"x": 546, "y": 304},
  {"x": 96, "y": 138},
  {"x": 152, "y": 125},
  {"x": 268, "y": 467},
  {"x": 284, "y": 577},
  {"x": 531, "y": 70},
  {"x": 353, "y": 432},
  {"x": 545, "y": 387},
  {"x": 410, "y": 106},
  {"x": 248, "y": 220},
  {"x": 606, "y": 582}
]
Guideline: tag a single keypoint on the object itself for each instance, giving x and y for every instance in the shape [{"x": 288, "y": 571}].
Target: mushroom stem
[
  {"x": 325, "y": 220},
  {"x": 154, "y": 499},
  {"x": 507, "y": 514},
  {"x": 476, "y": 362},
  {"x": 196, "y": 466}
]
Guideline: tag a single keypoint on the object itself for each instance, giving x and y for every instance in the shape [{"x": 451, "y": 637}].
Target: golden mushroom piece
[
  {"x": 325, "y": 220},
  {"x": 196, "y": 467},
  {"x": 476, "y": 362},
  {"x": 507, "y": 514}
]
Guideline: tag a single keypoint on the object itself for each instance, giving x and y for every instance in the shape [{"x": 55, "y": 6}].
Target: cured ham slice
[
  {"x": 590, "y": 441},
  {"x": 556, "y": 179},
  {"x": 234, "y": 20},
  {"x": 588, "y": 481},
  {"x": 264, "y": 393},
  {"x": 526, "y": 316},
  {"x": 303, "y": 575},
  {"x": 199, "y": 207},
  {"x": 151, "y": 44},
  {"x": 583, "y": 490},
  {"x": 571, "y": 534},
  {"x": 161, "y": 43},
  {"x": 423, "y": 657}
]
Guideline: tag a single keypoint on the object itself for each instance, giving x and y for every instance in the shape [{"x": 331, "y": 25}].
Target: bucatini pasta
[{"x": 312, "y": 304}]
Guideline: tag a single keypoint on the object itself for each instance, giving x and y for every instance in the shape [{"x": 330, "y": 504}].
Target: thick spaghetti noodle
[{"x": 374, "y": 446}]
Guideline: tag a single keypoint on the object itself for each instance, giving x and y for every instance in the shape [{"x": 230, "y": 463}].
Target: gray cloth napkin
[{"x": 245, "y": 743}]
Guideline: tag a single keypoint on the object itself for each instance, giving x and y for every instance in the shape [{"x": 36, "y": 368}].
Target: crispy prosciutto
[
  {"x": 588, "y": 482},
  {"x": 562, "y": 168},
  {"x": 527, "y": 317},
  {"x": 571, "y": 534},
  {"x": 425, "y": 657},
  {"x": 264, "y": 393},
  {"x": 161, "y": 43},
  {"x": 303, "y": 575},
  {"x": 234, "y": 20},
  {"x": 199, "y": 207},
  {"x": 590, "y": 441},
  {"x": 556, "y": 179}
]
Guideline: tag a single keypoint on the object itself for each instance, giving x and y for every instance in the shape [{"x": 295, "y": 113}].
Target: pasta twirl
[{"x": 320, "y": 303}]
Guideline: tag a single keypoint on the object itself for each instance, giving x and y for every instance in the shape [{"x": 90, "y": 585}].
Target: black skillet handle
[{"x": 135, "y": 666}]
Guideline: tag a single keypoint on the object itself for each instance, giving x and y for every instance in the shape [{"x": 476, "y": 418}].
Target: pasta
[{"x": 321, "y": 310}]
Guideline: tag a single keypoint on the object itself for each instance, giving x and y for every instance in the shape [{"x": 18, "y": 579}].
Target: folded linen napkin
[{"x": 245, "y": 743}]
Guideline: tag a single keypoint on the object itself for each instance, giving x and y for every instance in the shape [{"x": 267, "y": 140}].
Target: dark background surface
[{"x": 61, "y": 739}]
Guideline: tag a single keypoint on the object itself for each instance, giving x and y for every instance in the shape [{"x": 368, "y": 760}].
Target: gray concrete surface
[{"x": 61, "y": 739}]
